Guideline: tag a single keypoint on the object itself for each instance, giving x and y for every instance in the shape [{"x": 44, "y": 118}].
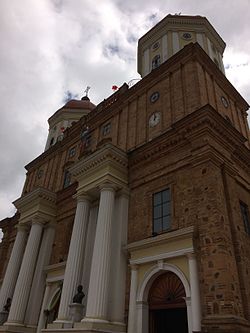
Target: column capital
[
  {"x": 82, "y": 197},
  {"x": 38, "y": 220},
  {"x": 133, "y": 267},
  {"x": 107, "y": 187},
  {"x": 191, "y": 255},
  {"x": 22, "y": 227}
]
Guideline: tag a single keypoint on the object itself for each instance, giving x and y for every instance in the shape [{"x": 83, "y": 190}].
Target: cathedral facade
[{"x": 135, "y": 218}]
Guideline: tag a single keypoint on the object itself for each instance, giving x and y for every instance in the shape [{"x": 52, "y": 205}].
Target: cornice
[
  {"x": 161, "y": 239},
  {"x": 40, "y": 194},
  {"x": 168, "y": 23},
  {"x": 196, "y": 124},
  {"x": 108, "y": 153}
]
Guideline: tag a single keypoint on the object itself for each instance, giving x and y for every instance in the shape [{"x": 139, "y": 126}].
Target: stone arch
[
  {"x": 153, "y": 273},
  {"x": 143, "y": 292}
]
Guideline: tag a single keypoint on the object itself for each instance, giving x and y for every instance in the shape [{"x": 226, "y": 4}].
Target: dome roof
[{"x": 84, "y": 103}]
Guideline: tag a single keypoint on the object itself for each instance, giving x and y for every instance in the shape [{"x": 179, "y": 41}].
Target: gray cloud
[{"x": 50, "y": 47}]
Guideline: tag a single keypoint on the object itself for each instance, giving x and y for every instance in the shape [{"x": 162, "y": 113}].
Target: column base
[
  {"x": 98, "y": 325},
  {"x": 88, "y": 327},
  {"x": 15, "y": 328}
]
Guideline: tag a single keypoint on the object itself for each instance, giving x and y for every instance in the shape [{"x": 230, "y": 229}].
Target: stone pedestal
[{"x": 76, "y": 312}]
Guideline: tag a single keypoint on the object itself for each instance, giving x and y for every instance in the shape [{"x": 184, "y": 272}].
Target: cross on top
[{"x": 87, "y": 90}]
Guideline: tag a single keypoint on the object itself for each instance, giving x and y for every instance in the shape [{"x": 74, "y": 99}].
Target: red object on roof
[{"x": 115, "y": 87}]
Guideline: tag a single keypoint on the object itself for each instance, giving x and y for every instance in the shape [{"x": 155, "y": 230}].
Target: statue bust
[
  {"x": 79, "y": 296},
  {"x": 7, "y": 305}
]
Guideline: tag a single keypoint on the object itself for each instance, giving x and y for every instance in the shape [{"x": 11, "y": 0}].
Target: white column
[
  {"x": 73, "y": 271},
  {"x": 100, "y": 268},
  {"x": 132, "y": 313},
  {"x": 23, "y": 285},
  {"x": 38, "y": 284},
  {"x": 119, "y": 259},
  {"x": 12, "y": 271},
  {"x": 88, "y": 253},
  {"x": 195, "y": 293},
  {"x": 41, "y": 322}
]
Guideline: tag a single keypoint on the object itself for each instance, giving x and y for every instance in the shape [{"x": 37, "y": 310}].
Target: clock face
[
  {"x": 154, "y": 97},
  {"x": 154, "y": 119}
]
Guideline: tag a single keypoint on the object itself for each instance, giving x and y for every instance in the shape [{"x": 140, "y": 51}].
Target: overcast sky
[{"x": 51, "y": 47}]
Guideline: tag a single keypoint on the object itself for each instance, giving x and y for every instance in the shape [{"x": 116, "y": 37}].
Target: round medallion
[
  {"x": 154, "y": 119},
  {"x": 186, "y": 35},
  {"x": 154, "y": 97},
  {"x": 155, "y": 45},
  {"x": 224, "y": 101}
]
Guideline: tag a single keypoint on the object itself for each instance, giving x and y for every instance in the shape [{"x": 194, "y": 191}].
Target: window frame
[
  {"x": 67, "y": 181},
  {"x": 244, "y": 209},
  {"x": 162, "y": 205}
]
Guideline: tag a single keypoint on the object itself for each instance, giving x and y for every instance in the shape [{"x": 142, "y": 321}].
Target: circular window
[
  {"x": 187, "y": 35},
  {"x": 155, "y": 45},
  {"x": 154, "y": 97},
  {"x": 224, "y": 101}
]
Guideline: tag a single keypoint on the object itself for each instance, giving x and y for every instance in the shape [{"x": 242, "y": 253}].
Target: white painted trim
[
  {"x": 166, "y": 255},
  {"x": 161, "y": 239},
  {"x": 143, "y": 290}
]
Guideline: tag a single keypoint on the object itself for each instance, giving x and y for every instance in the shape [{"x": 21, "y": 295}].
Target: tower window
[
  {"x": 245, "y": 216},
  {"x": 156, "y": 61},
  {"x": 72, "y": 151},
  {"x": 161, "y": 211},
  {"x": 106, "y": 129},
  {"x": 67, "y": 179},
  {"x": 51, "y": 142}
]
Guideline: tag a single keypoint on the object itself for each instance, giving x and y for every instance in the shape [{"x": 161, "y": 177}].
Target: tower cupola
[
  {"x": 63, "y": 118},
  {"x": 174, "y": 32}
]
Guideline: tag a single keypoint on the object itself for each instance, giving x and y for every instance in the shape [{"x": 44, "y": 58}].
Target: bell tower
[
  {"x": 70, "y": 113},
  {"x": 172, "y": 34}
]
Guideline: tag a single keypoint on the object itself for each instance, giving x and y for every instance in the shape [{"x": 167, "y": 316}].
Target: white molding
[
  {"x": 143, "y": 290},
  {"x": 160, "y": 239},
  {"x": 166, "y": 255}
]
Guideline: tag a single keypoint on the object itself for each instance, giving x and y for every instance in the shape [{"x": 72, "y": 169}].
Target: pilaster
[
  {"x": 132, "y": 315},
  {"x": 195, "y": 292}
]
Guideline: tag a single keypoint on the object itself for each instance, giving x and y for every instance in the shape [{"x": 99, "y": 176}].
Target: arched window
[
  {"x": 67, "y": 179},
  {"x": 51, "y": 142},
  {"x": 156, "y": 61}
]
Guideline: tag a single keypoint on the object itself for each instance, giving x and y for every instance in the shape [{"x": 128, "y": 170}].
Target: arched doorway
[{"x": 167, "y": 306}]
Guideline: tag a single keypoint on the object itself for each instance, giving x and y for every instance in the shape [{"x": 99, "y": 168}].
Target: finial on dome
[{"x": 86, "y": 98}]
